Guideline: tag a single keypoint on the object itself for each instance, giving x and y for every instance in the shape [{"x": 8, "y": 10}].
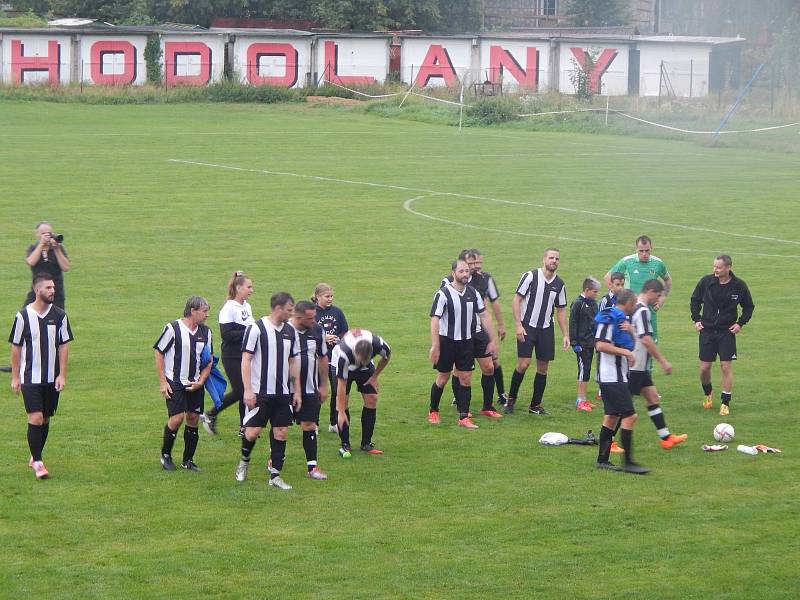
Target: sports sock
[
  {"x": 247, "y": 448},
  {"x": 344, "y": 431},
  {"x": 516, "y": 381},
  {"x": 604, "y": 451},
  {"x": 190, "y": 438},
  {"x": 454, "y": 383},
  {"x": 657, "y": 416},
  {"x": 35, "y": 441},
  {"x": 499, "y": 383},
  {"x": 277, "y": 454},
  {"x": 707, "y": 388},
  {"x": 626, "y": 437},
  {"x": 617, "y": 426},
  {"x": 463, "y": 400},
  {"x": 310, "y": 446},
  {"x": 436, "y": 397},
  {"x": 487, "y": 385},
  {"x": 539, "y": 383},
  {"x": 169, "y": 440},
  {"x": 724, "y": 396},
  {"x": 368, "y": 418},
  {"x": 45, "y": 431}
]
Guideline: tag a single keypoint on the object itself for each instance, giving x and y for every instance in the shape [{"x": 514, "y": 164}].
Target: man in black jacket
[{"x": 719, "y": 295}]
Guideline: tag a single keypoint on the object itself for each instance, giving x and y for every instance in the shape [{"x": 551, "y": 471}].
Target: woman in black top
[
  {"x": 48, "y": 256},
  {"x": 334, "y": 325}
]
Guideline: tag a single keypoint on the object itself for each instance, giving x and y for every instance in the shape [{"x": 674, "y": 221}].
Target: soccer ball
[{"x": 723, "y": 432}]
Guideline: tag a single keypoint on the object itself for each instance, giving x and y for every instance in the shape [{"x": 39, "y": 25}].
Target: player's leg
[
  {"x": 524, "y": 354},
  {"x": 464, "y": 365},
  {"x": 707, "y": 355},
  {"x": 176, "y": 412},
  {"x": 545, "y": 352},
  {"x": 333, "y": 426},
  {"x": 253, "y": 422},
  {"x": 280, "y": 417},
  {"x": 444, "y": 368},
  {"x": 727, "y": 354},
  {"x": 369, "y": 416},
  {"x": 610, "y": 423},
  {"x": 656, "y": 414},
  {"x": 343, "y": 414},
  {"x": 191, "y": 435},
  {"x": 33, "y": 397},
  {"x": 499, "y": 383}
]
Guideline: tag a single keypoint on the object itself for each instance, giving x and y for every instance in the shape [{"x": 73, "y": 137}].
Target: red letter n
[{"x": 501, "y": 60}]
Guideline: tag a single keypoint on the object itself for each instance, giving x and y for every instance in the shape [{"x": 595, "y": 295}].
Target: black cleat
[
  {"x": 502, "y": 399},
  {"x": 590, "y": 437},
  {"x": 538, "y": 410},
  {"x": 166, "y": 462},
  {"x": 637, "y": 469},
  {"x": 607, "y": 466},
  {"x": 190, "y": 466}
]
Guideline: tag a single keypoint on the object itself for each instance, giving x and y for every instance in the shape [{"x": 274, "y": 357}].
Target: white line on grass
[
  {"x": 389, "y": 186},
  {"x": 456, "y": 155}
]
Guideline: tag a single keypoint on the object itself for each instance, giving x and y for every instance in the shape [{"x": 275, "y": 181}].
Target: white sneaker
[
  {"x": 315, "y": 473},
  {"x": 209, "y": 424},
  {"x": 279, "y": 483},
  {"x": 39, "y": 470},
  {"x": 241, "y": 470},
  {"x": 333, "y": 429}
]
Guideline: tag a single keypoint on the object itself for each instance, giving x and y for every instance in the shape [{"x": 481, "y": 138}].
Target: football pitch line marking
[
  {"x": 426, "y": 192},
  {"x": 456, "y": 155}
]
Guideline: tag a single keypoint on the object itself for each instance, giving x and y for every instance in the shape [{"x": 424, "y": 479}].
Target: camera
[{"x": 58, "y": 237}]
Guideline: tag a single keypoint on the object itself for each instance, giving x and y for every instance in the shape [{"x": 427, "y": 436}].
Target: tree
[{"x": 597, "y": 13}]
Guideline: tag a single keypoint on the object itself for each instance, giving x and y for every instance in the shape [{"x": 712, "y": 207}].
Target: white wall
[
  {"x": 415, "y": 50},
  {"x": 614, "y": 82},
  {"x": 357, "y": 57},
  {"x": 686, "y": 66}
]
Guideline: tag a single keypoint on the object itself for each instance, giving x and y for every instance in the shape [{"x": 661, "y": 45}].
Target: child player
[{"x": 581, "y": 332}]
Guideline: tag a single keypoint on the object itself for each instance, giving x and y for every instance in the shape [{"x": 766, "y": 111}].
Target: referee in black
[
  {"x": 39, "y": 355},
  {"x": 181, "y": 378},
  {"x": 718, "y": 296}
]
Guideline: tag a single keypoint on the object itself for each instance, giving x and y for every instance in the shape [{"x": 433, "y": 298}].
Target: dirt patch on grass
[{"x": 331, "y": 100}]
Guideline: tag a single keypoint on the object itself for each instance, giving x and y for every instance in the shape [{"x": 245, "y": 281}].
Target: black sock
[
  {"x": 617, "y": 426},
  {"x": 190, "y": 438},
  {"x": 368, "y": 418},
  {"x": 487, "y": 385},
  {"x": 626, "y": 437},
  {"x": 724, "y": 396},
  {"x": 277, "y": 454},
  {"x": 539, "y": 383},
  {"x": 169, "y": 440},
  {"x": 516, "y": 381},
  {"x": 46, "y": 430},
  {"x": 456, "y": 385},
  {"x": 707, "y": 388},
  {"x": 606, "y": 435},
  {"x": 657, "y": 416},
  {"x": 344, "y": 432},
  {"x": 436, "y": 397},
  {"x": 310, "y": 446},
  {"x": 35, "y": 441},
  {"x": 463, "y": 400},
  {"x": 499, "y": 383},
  {"x": 247, "y": 448}
]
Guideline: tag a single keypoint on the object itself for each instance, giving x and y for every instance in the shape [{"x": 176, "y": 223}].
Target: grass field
[{"x": 295, "y": 195}]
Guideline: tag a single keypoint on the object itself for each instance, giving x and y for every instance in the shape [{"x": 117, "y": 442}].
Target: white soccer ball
[{"x": 724, "y": 432}]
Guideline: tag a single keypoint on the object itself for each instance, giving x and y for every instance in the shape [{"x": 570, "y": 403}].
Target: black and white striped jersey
[
  {"x": 271, "y": 347},
  {"x": 642, "y": 326},
  {"x": 40, "y": 336},
  {"x": 540, "y": 296},
  {"x": 607, "y": 301},
  {"x": 482, "y": 282},
  {"x": 182, "y": 349},
  {"x": 233, "y": 320},
  {"x": 344, "y": 359},
  {"x": 457, "y": 311},
  {"x": 611, "y": 368},
  {"x": 311, "y": 348}
]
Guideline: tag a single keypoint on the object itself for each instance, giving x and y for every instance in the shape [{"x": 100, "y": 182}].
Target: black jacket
[
  {"x": 581, "y": 321},
  {"x": 719, "y": 302}
]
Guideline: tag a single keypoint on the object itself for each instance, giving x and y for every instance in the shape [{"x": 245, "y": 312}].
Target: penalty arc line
[{"x": 482, "y": 198}]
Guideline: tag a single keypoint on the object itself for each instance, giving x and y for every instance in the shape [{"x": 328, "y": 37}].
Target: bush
[{"x": 491, "y": 111}]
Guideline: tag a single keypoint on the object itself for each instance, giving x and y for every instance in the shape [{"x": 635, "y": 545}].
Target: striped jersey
[
  {"x": 642, "y": 326},
  {"x": 607, "y": 301},
  {"x": 483, "y": 282},
  {"x": 311, "y": 348},
  {"x": 539, "y": 297},
  {"x": 271, "y": 347},
  {"x": 344, "y": 359},
  {"x": 40, "y": 336},
  {"x": 611, "y": 368},
  {"x": 457, "y": 311},
  {"x": 233, "y": 320},
  {"x": 182, "y": 349}
]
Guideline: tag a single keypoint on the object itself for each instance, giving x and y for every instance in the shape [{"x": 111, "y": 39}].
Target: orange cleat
[
  {"x": 583, "y": 406},
  {"x": 491, "y": 413},
  {"x": 39, "y": 470},
  {"x": 673, "y": 440},
  {"x": 467, "y": 423},
  {"x": 616, "y": 448},
  {"x": 433, "y": 417},
  {"x": 707, "y": 403}
]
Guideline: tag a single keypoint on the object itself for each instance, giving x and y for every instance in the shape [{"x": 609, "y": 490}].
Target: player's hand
[
  {"x": 166, "y": 390},
  {"x": 629, "y": 355},
  {"x": 342, "y": 419},
  {"x": 501, "y": 332},
  {"x": 61, "y": 381},
  {"x": 331, "y": 339},
  {"x": 491, "y": 348},
  {"x": 297, "y": 403},
  {"x": 626, "y": 326},
  {"x": 520, "y": 333},
  {"x": 735, "y": 328},
  {"x": 433, "y": 355},
  {"x": 194, "y": 386},
  {"x": 249, "y": 399},
  {"x": 15, "y": 385},
  {"x": 698, "y": 326},
  {"x": 565, "y": 344},
  {"x": 373, "y": 381},
  {"x": 667, "y": 367}
]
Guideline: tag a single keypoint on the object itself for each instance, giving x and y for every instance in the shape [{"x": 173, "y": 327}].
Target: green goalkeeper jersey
[{"x": 637, "y": 272}]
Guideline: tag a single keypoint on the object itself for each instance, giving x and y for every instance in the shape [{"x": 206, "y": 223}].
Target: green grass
[{"x": 445, "y": 512}]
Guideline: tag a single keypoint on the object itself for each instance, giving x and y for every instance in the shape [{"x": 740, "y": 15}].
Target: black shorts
[
  {"x": 638, "y": 380},
  {"x": 458, "y": 353},
  {"x": 584, "y": 358},
  {"x": 41, "y": 398},
  {"x": 716, "y": 342},
  {"x": 541, "y": 339},
  {"x": 309, "y": 411},
  {"x": 481, "y": 340},
  {"x": 183, "y": 401},
  {"x": 360, "y": 378},
  {"x": 277, "y": 410},
  {"x": 617, "y": 399}
]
